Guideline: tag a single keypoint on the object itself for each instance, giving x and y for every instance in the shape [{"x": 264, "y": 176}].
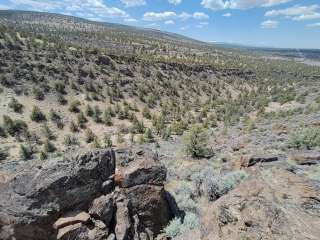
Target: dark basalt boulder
[
  {"x": 36, "y": 194},
  {"x": 143, "y": 170},
  {"x": 77, "y": 198}
]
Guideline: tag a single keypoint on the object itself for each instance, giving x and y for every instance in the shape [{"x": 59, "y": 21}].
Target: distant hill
[{"x": 98, "y": 34}]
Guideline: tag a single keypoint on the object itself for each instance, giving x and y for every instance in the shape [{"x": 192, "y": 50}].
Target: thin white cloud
[
  {"x": 175, "y": 2},
  {"x": 200, "y": 15},
  {"x": 240, "y": 4},
  {"x": 131, "y": 20},
  {"x": 80, "y": 8},
  {"x": 169, "y": 22},
  {"x": 270, "y": 24},
  {"x": 162, "y": 16},
  {"x": 185, "y": 16},
  {"x": 227, "y": 15},
  {"x": 297, "y": 13},
  {"x": 314, "y": 25},
  {"x": 133, "y": 3}
]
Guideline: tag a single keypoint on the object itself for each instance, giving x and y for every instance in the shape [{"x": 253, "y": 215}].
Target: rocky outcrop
[
  {"x": 36, "y": 194},
  {"x": 76, "y": 198},
  {"x": 249, "y": 161},
  {"x": 273, "y": 204},
  {"x": 305, "y": 157}
]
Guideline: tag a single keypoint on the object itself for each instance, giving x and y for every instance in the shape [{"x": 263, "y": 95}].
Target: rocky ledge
[{"x": 84, "y": 197}]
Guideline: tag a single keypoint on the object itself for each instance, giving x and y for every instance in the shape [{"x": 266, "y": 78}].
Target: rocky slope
[{"x": 84, "y": 197}]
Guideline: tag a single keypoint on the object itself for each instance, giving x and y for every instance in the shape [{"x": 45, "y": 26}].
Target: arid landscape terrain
[{"x": 116, "y": 132}]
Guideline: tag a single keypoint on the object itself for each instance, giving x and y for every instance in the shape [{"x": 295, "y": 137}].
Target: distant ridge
[{"x": 19, "y": 19}]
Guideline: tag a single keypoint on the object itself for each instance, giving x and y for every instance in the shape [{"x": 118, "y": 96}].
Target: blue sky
[{"x": 274, "y": 23}]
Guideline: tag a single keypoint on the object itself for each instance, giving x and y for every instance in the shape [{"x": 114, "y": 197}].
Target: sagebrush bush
[
  {"x": 176, "y": 227},
  {"x": 61, "y": 99},
  {"x": 89, "y": 136},
  {"x": 43, "y": 156},
  {"x": 185, "y": 197},
  {"x": 74, "y": 106},
  {"x": 217, "y": 186},
  {"x": 107, "y": 140},
  {"x": 38, "y": 94},
  {"x": 3, "y": 154},
  {"x": 26, "y": 152},
  {"x": 37, "y": 115},
  {"x": 47, "y": 132},
  {"x": 3, "y": 133},
  {"x": 56, "y": 118},
  {"x": 305, "y": 138},
  {"x": 107, "y": 118},
  {"x": 70, "y": 140},
  {"x": 89, "y": 111},
  {"x": 73, "y": 127},
  {"x": 49, "y": 147},
  {"x": 81, "y": 120},
  {"x": 148, "y": 135},
  {"x": 137, "y": 126},
  {"x": 15, "y": 105},
  {"x": 97, "y": 114},
  {"x": 96, "y": 143},
  {"x": 120, "y": 138},
  {"x": 14, "y": 127}
]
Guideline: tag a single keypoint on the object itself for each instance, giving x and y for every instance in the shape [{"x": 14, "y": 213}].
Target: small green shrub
[
  {"x": 82, "y": 120},
  {"x": 60, "y": 88},
  {"x": 217, "y": 186},
  {"x": 56, "y": 118},
  {"x": 74, "y": 106},
  {"x": 120, "y": 138},
  {"x": 97, "y": 114},
  {"x": 166, "y": 133},
  {"x": 70, "y": 141},
  {"x": 107, "y": 118},
  {"x": 89, "y": 136},
  {"x": 314, "y": 173},
  {"x": 43, "y": 156},
  {"x": 61, "y": 99},
  {"x": 47, "y": 133},
  {"x": 96, "y": 143},
  {"x": 38, "y": 94},
  {"x": 37, "y": 115},
  {"x": 3, "y": 133},
  {"x": 141, "y": 139},
  {"x": 15, "y": 105},
  {"x": 146, "y": 113},
  {"x": 137, "y": 126},
  {"x": 26, "y": 152},
  {"x": 3, "y": 154},
  {"x": 49, "y": 147},
  {"x": 305, "y": 138},
  {"x": 14, "y": 127},
  {"x": 176, "y": 227},
  {"x": 196, "y": 141},
  {"x": 148, "y": 136},
  {"x": 107, "y": 140},
  {"x": 249, "y": 124},
  {"x": 73, "y": 127},
  {"x": 178, "y": 127},
  {"x": 89, "y": 111}
]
